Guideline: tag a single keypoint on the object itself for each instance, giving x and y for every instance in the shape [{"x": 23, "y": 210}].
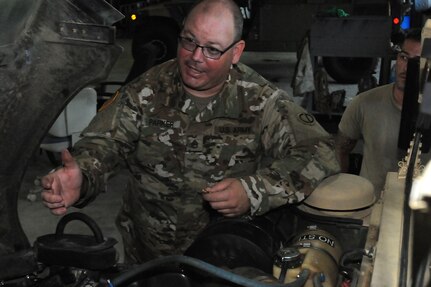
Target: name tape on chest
[{"x": 155, "y": 122}]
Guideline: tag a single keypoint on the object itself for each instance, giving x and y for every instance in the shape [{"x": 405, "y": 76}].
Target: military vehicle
[{"x": 49, "y": 51}]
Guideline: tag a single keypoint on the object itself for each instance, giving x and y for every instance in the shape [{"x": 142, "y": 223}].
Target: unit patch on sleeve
[{"x": 306, "y": 118}]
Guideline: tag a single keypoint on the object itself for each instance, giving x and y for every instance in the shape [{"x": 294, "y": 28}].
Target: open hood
[{"x": 49, "y": 50}]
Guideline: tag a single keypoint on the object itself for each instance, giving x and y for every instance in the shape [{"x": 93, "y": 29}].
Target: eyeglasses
[{"x": 209, "y": 52}]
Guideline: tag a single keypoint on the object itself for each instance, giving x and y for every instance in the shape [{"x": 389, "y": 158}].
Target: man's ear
[{"x": 237, "y": 51}]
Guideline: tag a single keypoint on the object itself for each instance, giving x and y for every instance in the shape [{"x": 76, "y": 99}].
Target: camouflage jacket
[{"x": 251, "y": 131}]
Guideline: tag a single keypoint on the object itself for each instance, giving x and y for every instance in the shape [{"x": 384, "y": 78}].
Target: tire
[
  {"x": 348, "y": 70},
  {"x": 160, "y": 34}
]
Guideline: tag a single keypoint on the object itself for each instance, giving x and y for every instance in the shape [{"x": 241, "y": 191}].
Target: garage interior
[{"x": 278, "y": 67}]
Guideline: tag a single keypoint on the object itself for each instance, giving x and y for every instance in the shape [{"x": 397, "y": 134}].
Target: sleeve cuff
[
  {"x": 84, "y": 198},
  {"x": 255, "y": 189}
]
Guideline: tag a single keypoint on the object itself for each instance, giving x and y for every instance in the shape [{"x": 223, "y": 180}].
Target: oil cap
[{"x": 288, "y": 257}]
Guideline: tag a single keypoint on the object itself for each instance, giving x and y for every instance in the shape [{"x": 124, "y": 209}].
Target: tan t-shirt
[{"x": 373, "y": 117}]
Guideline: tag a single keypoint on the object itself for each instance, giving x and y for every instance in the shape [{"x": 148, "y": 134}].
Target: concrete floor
[{"x": 37, "y": 220}]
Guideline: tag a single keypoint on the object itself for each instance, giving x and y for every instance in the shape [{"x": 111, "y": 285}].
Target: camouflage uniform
[{"x": 251, "y": 131}]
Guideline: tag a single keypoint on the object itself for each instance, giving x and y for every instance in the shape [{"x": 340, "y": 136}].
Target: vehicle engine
[
  {"x": 337, "y": 237},
  {"x": 295, "y": 245}
]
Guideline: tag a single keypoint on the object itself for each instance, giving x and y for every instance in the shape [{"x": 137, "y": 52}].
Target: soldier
[
  {"x": 374, "y": 116},
  {"x": 200, "y": 134}
]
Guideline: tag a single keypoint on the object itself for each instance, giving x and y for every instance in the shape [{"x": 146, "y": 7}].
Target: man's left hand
[{"x": 228, "y": 197}]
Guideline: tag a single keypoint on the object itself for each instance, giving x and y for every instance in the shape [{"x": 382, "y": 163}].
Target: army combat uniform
[{"x": 251, "y": 131}]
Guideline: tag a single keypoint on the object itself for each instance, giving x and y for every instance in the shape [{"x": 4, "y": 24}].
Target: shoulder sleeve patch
[
  {"x": 306, "y": 118},
  {"x": 110, "y": 101}
]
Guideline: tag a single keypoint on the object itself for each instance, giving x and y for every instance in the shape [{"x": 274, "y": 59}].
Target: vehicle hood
[{"x": 49, "y": 50}]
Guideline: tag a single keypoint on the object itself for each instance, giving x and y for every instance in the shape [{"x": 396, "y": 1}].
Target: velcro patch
[{"x": 306, "y": 118}]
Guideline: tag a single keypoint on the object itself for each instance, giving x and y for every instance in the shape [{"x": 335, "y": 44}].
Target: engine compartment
[{"x": 286, "y": 247}]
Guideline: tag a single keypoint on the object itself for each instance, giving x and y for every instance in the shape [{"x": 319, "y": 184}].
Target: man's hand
[
  {"x": 62, "y": 187},
  {"x": 228, "y": 197}
]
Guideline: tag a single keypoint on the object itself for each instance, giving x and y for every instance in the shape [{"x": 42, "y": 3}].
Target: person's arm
[
  {"x": 344, "y": 146},
  {"x": 349, "y": 131},
  {"x": 105, "y": 144},
  {"x": 297, "y": 155}
]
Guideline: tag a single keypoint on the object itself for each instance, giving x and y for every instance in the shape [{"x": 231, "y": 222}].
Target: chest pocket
[
  {"x": 204, "y": 151},
  {"x": 226, "y": 152},
  {"x": 160, "y": 149}
]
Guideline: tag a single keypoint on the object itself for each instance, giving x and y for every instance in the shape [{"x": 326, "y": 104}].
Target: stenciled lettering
[
  {"x": 321, "y": 238},
  {"x": 235, "y": 130},
  {"x": 160, "y": 123}
]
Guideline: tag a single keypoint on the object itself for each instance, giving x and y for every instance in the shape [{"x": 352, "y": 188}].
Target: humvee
[{"x": 51, "y": 49}]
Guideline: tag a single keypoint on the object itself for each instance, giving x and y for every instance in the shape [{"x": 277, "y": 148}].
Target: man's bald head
[{"x": 219, "y": 7}]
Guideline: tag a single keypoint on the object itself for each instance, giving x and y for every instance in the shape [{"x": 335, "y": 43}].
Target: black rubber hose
[
  {"x": 317, "y": 282},
  {"x": 422, "y": 276},
  {"x": 131, "y": 276},
  {"x": 352, "y": 255}
]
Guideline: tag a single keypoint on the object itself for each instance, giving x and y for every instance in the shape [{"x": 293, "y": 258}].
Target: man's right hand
[{"x": 62, "y": 187}]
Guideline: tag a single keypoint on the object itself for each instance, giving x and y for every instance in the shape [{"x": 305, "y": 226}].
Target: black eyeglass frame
[{"x": 181, "y": 39}]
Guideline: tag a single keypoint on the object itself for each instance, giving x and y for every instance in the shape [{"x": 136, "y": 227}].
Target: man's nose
[{"x": 197, "y": 54}]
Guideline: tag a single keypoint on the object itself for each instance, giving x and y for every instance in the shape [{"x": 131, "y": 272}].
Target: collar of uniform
[{"x": 227, "y": 103}]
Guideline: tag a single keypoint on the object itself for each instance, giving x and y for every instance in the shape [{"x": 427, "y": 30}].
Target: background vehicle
[{"x": 281, "y": 25}]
